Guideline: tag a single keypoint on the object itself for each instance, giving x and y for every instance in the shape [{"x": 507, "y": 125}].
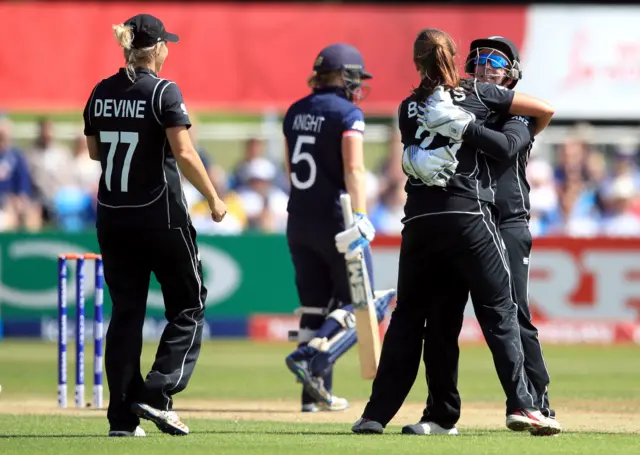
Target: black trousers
[
  {"x": 517, "y": 239},
  {"x": 129, "y": 257},
  {"x": 443, "y": 257}
]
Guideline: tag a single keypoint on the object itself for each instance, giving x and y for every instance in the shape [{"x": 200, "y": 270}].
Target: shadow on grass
[
  {"x": 46, "y": 436},
  {"x": 248, "y": 411},
  {"x": 470, "y": 434}
]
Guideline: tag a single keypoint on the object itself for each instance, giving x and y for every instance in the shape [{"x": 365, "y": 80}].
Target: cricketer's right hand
[{"x": 352, "y": 240}]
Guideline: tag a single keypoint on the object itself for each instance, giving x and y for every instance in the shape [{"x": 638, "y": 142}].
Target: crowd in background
[{"x": 581, "y": 192}]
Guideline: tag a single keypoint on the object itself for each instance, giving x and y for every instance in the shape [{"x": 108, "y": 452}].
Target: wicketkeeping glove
[
  {"x": 448, "y": 120},
  {"x": 440, "y": 95},
  {"x": 352, "y": 240},
  {"x": 433, "y": 167}
]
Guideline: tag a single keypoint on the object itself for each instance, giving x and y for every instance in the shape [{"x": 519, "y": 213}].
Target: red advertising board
[
  {"x": 231, "y": 56},
  {"x": 580, "y": 291}
]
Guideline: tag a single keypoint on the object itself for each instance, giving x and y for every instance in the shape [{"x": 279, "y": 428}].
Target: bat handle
[{"x": 347, "y": 211}]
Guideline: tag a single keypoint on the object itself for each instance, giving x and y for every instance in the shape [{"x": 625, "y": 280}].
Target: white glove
[
  {"x": 440, "y": 95},
  {"x": 354, "y": 239},
  {"x": 448, "y": 120},
  {"x": 433, "y": 167}
]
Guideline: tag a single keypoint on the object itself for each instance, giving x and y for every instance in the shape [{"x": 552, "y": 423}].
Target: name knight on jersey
[
  {"x": 308, "y": 122},
  {"x": 119, "y": 108}
]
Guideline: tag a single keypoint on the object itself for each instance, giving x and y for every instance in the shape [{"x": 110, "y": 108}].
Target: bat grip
[{"x": 347, "y": 211}]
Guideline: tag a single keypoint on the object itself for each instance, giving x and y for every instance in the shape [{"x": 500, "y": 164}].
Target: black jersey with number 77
[
  {"x": 475, "y": 176},
  {"x": 140, "y": 184}
]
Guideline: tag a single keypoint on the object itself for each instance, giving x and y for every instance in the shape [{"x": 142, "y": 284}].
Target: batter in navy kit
[
  {"x": 450, "y": 247},
  {"x": 137, "y": 127},
  {"x": 324, "y": 137}
]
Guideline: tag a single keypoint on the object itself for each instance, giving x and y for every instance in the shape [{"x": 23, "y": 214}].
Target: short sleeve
[
  {"x": 173, "y": 111},
  {"x": 495, "y": 97},
  {"x": 89, "y": 129},
  {"x": 353, "y": 123}
]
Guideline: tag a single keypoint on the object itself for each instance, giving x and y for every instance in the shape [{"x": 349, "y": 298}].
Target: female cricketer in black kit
[
  {"x": 137, "y": 127},
  {"x": 496, "y": 60},
  {"x": 450, "y": 248}
]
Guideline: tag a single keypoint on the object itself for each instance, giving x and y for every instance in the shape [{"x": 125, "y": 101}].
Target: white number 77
[{"x": 113, "y": 138}]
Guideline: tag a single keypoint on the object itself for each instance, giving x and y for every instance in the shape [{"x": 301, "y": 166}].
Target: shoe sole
[
  {"x": 408, "y": 429},
  {"x": 366, "y": 431},
  {"x": 525, "y": 424},
  {"x": 306, "y": 382},
  {"x": 148, "y": 413},
  {"x": 332, "y": 408}
]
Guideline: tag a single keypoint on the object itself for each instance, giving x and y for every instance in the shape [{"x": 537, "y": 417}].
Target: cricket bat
[{"x": 363, "y": 304}]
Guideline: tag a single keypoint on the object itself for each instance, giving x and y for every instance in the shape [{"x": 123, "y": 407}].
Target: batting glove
[
  {"x": 433, "y": 167},
  {"x": 353, "y": 240}
]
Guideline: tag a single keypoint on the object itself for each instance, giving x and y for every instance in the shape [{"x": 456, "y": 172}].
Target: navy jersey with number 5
[
  {"x": 475, "y": 176},
  {"x": 140, "y": 184},
  {"x": 314, "y": 127}
]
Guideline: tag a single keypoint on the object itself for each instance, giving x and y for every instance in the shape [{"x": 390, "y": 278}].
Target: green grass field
[{"x": 243, "y": 400}]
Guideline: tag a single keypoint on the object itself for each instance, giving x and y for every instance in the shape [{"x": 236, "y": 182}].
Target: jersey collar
[
  {"x": 141, "y": 71},
  {"x": 340, "y": 91}
]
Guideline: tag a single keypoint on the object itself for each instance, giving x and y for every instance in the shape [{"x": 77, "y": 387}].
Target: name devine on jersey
[{"x": 119, "y": 108}]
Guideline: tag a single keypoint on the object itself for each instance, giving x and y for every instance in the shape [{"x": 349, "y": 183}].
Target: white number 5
[
  {"x": 298, "y": 156},
  {"x": 113, "y": 138}
]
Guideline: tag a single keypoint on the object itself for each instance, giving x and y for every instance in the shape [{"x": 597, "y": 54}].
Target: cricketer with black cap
[{"x": 137, "y": 127}]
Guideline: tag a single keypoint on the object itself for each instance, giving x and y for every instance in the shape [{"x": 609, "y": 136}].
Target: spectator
[
  {"x": 619, "y": 219},
  {"x": 235, "y": 220},
  {"x": 49, "y": 164},
  {"x": 16, "y": 206},
  {"x": 85, "y": 173},
  {"x": 388, "y": 213},
  {"x": 264, "y": 203},
  {"x": 576, "y": 215},
  {"x": 253, "y": 149},
  {"x": 74, "y": 202},
  {"x": 572, "y": 158},
  {"x": 373, "y": 189},
  {"x": 391, "y": 168},
  {"x": 543, "y": 197}
]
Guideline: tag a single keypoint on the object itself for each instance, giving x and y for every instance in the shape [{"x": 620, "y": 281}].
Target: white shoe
[
  {"x": 120, "y": 433},
  {"x": 367, "y": 426},
  {"x": 379, "y": 294},
  {"x": 532, "y": 420},
  {"x": 428, "y": 428},
  {"x": 336, "y": 404},
  {"x": 166, "y": 421},
  {"x": 544, "y": 431}
]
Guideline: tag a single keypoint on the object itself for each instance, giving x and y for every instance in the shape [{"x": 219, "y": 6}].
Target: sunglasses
[{"x": 495, "y": 61}]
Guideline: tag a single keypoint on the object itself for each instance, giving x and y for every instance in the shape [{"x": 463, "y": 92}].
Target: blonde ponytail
[
  {"x": 133, "y": 57},
  {"x": 124, "y": 35}
]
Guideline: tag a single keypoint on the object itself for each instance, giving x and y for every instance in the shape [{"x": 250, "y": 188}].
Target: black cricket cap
[
  {"x": 149, "y": 31},
  {"x": 340, "y": 56}
]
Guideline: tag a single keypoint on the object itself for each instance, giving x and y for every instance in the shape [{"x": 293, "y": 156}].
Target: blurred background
[{"x": 240, "y": 65}]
